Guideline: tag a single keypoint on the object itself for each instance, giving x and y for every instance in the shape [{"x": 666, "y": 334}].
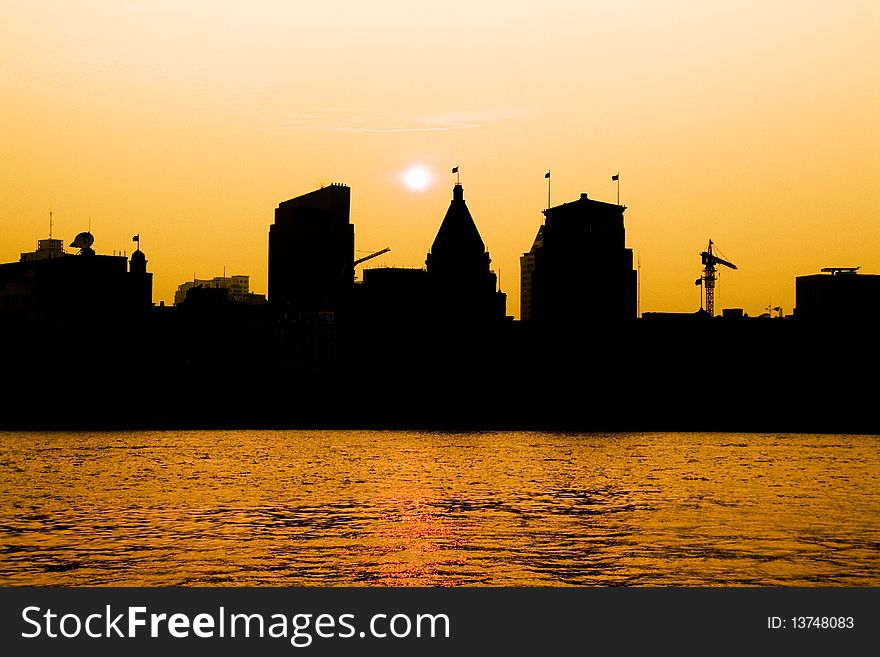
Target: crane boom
[
  {"x": 372, "y": 255},
  {"x": 711, "y": 257}
]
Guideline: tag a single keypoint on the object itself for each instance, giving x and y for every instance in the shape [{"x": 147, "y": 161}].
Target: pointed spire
[{"x": 458, "y": 235}]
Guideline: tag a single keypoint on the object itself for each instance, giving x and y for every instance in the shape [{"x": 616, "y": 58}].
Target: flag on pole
[
  {"x": 454, "y": 169},
  {"x": 547, "y": 175},
  {"x": 699, "y": 281},
  {"x": 616, "y": 176},
  {"x": 136, "y": 238}
]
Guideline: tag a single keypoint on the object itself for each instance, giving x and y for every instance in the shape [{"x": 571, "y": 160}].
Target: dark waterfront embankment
[{"x": 250, "y": 368}]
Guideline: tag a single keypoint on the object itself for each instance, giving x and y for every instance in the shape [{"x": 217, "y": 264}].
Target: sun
[{"x": 417, "y": 178}]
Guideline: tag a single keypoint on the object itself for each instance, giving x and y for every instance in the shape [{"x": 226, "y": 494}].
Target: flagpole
[{"x": 548, "y": 189}]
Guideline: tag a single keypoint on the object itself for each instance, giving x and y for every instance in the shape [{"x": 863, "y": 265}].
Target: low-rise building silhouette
[
  {"x": 234, "y": 289},
  {"x": 838, "y": 293},
  {"x": 394, "y": 294},
  {"x": 54, "y": 289}
]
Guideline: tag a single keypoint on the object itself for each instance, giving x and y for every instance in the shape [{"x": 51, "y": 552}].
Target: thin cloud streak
[{"x": 397, "y": 124}]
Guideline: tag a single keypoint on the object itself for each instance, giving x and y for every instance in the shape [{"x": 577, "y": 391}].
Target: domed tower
[
  {"x": 458, "y": 267},
  {"x": 140, "y": 281},
  {"x": 138, "y": 263}
]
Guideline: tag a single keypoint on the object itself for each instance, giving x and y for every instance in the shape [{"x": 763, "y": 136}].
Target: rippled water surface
[{"x": 411, "y": 508}]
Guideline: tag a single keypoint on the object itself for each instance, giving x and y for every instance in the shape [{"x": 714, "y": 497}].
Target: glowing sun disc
[{"x": 416, "y": 178}]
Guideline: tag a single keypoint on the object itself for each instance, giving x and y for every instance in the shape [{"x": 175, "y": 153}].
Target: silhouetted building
[
  {"x": 579, "y": 268},
  {"x": 733, "y": 313},
  {"x": 53, "y": 289},
  {"x": 461, "y": 284},
  {"x": 394, "y": 294},
  {"x": 237, "y": 289},
  {"x": 311, "y": 251},
  {"x": 48, "y": 248},
  {"x": 839, "y": 293}
]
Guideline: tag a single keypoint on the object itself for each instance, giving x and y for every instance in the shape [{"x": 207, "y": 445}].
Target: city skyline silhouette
[
  {"x": 440, "y": 349},
  {"x": 754, "y": 127},
  {"x": 535, "y": 298}
]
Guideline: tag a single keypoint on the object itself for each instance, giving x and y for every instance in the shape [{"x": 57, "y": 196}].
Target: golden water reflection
[{"x": 438, "y": 509}]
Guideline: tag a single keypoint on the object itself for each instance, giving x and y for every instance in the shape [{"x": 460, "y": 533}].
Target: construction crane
[
  {"x": 709, "y": 276},
  {"x": 368, "y": 257},
  {"x": 372, "y": 255}
]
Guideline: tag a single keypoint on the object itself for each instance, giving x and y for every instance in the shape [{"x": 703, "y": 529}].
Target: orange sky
[{"x": 754, "y": 123}]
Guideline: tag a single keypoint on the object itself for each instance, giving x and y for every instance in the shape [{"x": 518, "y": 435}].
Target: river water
[{"x": 397, "y": 508}]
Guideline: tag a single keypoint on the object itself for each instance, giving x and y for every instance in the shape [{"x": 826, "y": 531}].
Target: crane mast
[{"x": 710, "y": 260}]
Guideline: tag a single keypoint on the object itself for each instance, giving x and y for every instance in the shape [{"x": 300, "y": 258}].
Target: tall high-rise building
[
  {"x": 579, "y": 268},
  {"x": 460, "y": 281},
  {"x": 311, "y": 251}
]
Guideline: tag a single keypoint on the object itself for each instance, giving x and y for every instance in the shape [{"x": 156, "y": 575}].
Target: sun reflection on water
[{"x": 432, "y": 509}]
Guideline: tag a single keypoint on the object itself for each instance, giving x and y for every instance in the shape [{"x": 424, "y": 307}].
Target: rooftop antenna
[{"x": 50, "y": 223}]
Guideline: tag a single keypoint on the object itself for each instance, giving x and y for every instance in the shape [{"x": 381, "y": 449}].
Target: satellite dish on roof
[{"x": 83, "y": 241}]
